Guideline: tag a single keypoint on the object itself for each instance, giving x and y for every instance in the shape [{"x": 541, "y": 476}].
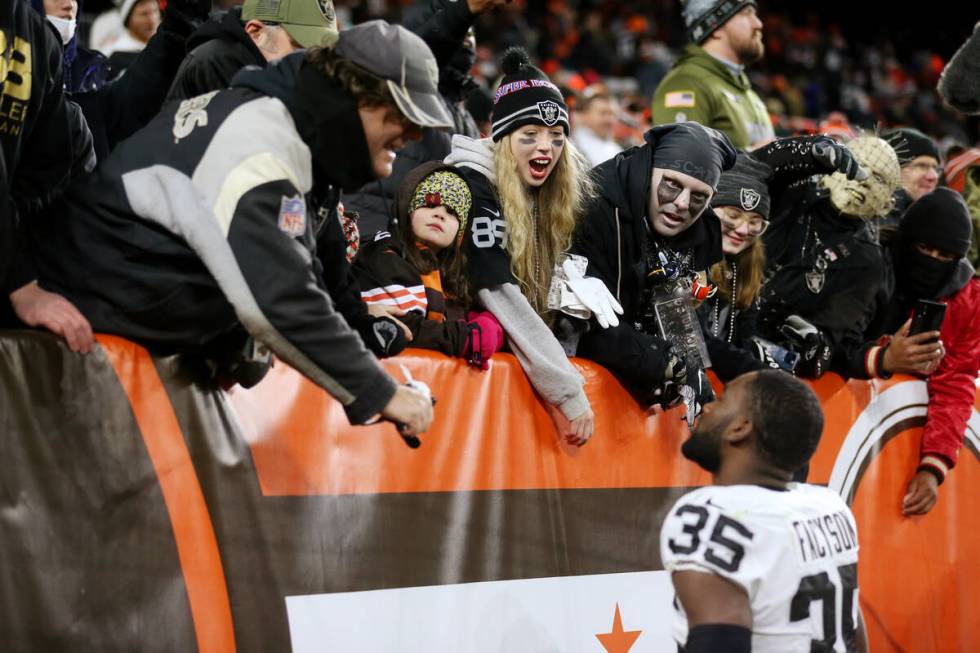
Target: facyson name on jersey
[{"x": 824, "y": 536}]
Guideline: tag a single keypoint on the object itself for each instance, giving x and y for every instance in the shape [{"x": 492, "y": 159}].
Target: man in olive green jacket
[{"x": 708, "y": 83}]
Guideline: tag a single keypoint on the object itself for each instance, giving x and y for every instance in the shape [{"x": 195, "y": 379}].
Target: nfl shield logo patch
[
  {"x": 549, "y": 112},
  {"x": 749, "y": 198},
  {"x": 292, "y": 215}
]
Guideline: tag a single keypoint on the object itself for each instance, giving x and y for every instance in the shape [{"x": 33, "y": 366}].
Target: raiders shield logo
[
  {"x": 749, "y": 198},
  {"x": 326, "y": 8},
  {"x": 549, "y": 112},
  {"x": 814, "y": 281}
]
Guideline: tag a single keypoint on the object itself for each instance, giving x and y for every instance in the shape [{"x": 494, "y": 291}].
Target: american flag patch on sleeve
[{"x": 679, "y": 100}]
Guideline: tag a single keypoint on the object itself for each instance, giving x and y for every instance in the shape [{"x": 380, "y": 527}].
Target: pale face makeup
[{"x": 676, "y": 201}]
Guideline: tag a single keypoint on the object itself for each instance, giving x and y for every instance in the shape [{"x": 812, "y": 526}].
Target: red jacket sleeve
[{"x": 952, "y": 387}]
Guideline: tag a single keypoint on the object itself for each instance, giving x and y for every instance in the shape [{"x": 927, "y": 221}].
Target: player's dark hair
[{"x": 787, "y": 418}]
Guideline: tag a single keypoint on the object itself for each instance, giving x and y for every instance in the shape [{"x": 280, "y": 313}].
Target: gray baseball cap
[{"x": 405, "y": 62}]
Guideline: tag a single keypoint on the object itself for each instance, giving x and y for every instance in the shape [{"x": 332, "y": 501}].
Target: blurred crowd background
[{"x": 828, "y": 65}]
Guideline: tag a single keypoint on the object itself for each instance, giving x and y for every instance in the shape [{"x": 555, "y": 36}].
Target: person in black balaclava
[{"x": 928, "y": 260}]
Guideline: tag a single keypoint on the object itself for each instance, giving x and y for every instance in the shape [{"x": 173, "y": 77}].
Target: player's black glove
[
  {"x": 813, "y": 346},
  {"x": 676, "y": 372},
  {"x": 696, "y": 394}
]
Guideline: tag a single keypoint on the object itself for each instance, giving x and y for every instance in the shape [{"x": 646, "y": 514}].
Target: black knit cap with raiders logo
[
  {"x": 745, "y": 186},
  {"x": 525, "y": 97}
]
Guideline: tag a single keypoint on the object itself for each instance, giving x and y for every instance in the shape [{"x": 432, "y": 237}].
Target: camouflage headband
[{"x": 444, "y": 188}]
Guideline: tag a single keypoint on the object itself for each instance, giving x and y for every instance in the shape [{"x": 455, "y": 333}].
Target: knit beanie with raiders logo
[
  {"x": 525, "y": 97},
  {"x": 745, "y": 186}
]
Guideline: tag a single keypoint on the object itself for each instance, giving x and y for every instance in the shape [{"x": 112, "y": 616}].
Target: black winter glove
[
  {"x": 805, "y": 155},
  {"x": 813, "y": 346},
  {"x": 382, "y": 336},
  {"x": 241, "y": 360},
  {"x": 772, "y": 355}
]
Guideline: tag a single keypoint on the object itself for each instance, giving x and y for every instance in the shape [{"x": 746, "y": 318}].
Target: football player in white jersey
[{"x": 760, "y": 563}]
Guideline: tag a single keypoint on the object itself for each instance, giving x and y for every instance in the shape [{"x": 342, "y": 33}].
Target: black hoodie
[
  {"x": 611, "y": 236},
  {"x": 215, "y": 53}
]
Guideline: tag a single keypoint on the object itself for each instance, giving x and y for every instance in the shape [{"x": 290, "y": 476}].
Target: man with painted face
[
  {"x": 927, "y": 260},
  {"x": 825, "y": 271},
  {"x": 749, "y": 554},
  {"x": 647, "y": 236}
]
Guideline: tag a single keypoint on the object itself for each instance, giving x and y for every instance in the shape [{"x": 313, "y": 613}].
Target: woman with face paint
[{"x": 529, "y": 187}]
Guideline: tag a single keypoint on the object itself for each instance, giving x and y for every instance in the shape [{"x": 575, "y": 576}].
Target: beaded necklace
[{"x": 731, "y": 317}]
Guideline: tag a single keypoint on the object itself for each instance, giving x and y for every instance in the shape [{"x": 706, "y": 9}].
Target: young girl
[
  {"x": 529, "y": 187},
  {"x": 418, "y": 274}
]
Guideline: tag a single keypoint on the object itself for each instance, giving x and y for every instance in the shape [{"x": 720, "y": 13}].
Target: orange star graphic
[{"x": 618, "y": 641}]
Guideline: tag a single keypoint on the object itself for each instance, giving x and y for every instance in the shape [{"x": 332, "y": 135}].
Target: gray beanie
[
  {"x": 702, "y": 17},
  {"x": 745, "y": 186}
]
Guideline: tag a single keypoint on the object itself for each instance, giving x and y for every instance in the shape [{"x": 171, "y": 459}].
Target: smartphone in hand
[{"x": 928, "y": 316}]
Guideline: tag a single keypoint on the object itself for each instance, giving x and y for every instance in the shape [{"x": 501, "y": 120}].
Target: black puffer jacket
[{"x": 215, "y": 53}]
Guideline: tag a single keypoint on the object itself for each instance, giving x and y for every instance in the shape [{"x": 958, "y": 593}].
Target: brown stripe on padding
[{"x": 197, "y": 545}]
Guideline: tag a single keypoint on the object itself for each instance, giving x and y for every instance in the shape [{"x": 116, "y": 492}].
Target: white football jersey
[{"x": 794, "y": 553}]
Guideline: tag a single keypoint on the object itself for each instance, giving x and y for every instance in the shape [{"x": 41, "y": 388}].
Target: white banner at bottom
[{"x": 611, "y": 613}]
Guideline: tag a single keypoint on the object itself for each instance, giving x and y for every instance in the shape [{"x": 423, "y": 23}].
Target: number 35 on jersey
[{"x": 794, "y": 553}]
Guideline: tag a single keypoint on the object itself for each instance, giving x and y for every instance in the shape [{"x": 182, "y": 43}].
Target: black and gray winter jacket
[{"x": 189, "y": 231}]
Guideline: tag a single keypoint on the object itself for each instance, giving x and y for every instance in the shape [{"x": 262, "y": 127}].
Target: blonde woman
[{"x": 529, "y": 187}]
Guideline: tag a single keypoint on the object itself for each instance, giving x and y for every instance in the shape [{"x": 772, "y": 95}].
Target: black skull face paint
[{"x": 669, "y": 190}]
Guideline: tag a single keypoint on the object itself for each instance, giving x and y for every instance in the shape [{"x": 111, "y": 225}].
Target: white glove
[
  {"x": 594, "y": 295},
  {"x": 474, "y": 154}
]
